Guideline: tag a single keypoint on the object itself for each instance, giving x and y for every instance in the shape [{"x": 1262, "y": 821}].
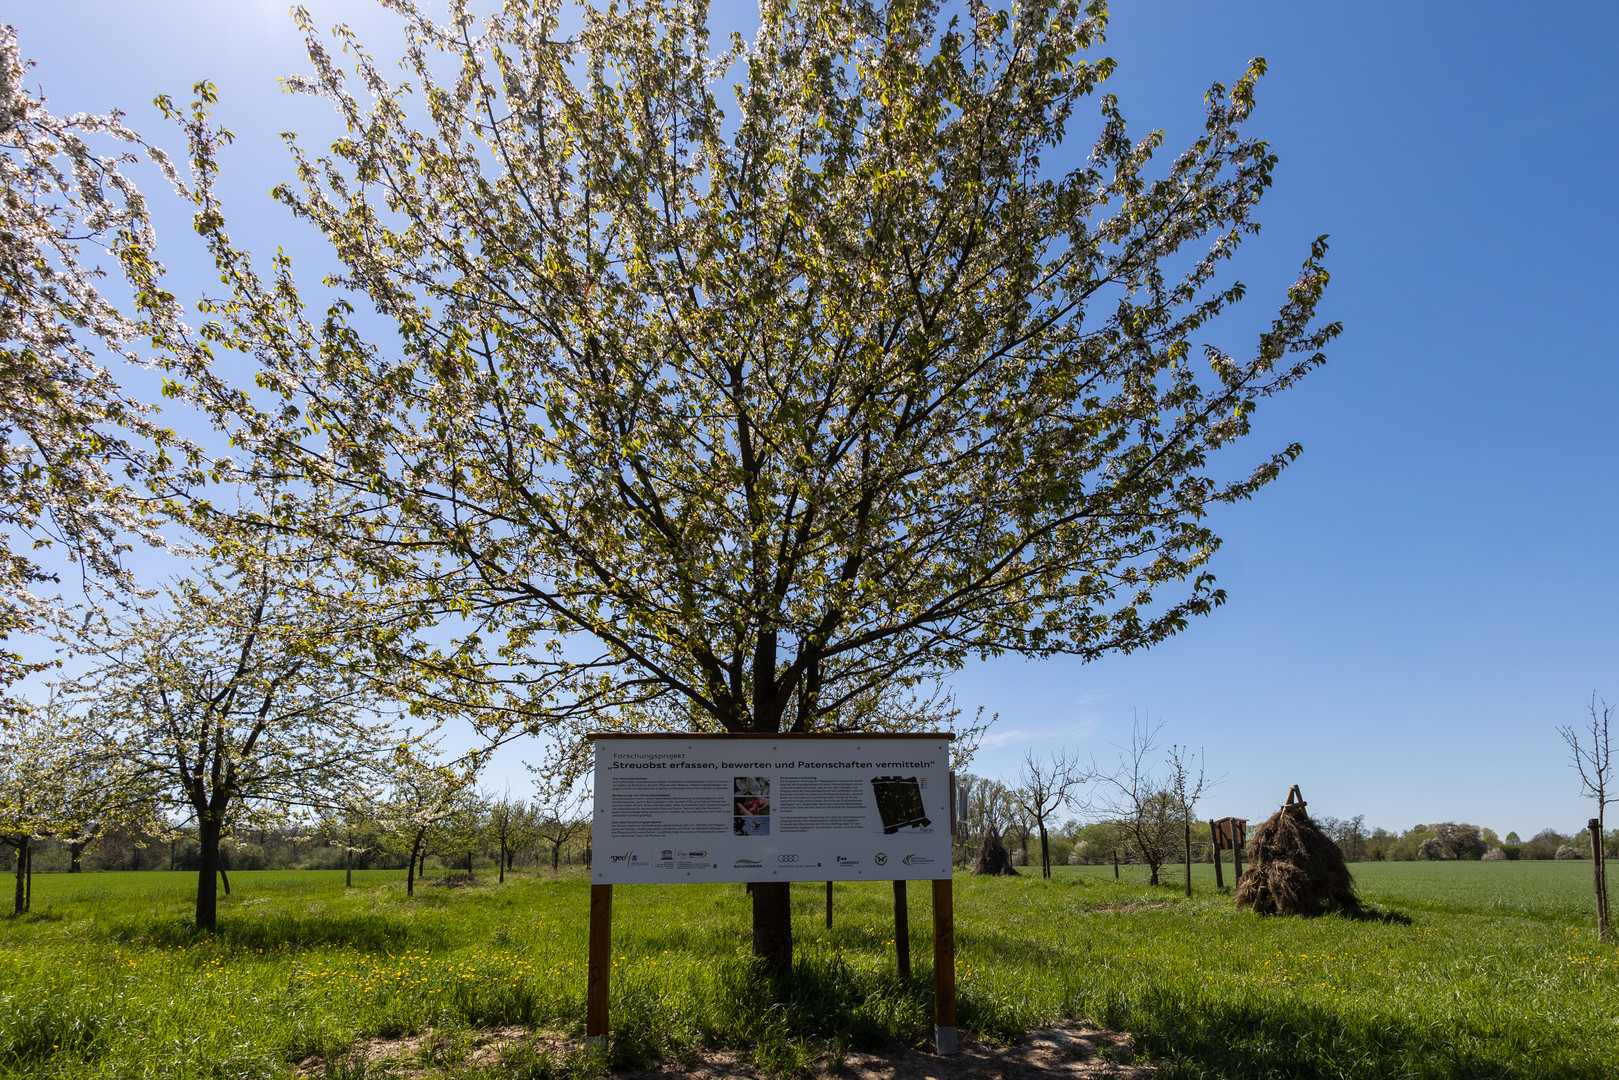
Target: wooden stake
[
  {"x": 902, "y": 932},
  {"x": 1236, "y": 854},
  {"x": 829, "y": 905},
  {"x": 1599, "y": 867},
  {"x": 600, "y": 968},
  {"x": 1115, "y": 864},
  {"x": 1186, "y": 823},
  {"x": 944, "y": 967},
  {"x": 1214, "y": 839}
]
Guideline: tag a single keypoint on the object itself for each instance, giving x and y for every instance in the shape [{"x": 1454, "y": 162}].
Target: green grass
[{"x": 1462, "y": 971}]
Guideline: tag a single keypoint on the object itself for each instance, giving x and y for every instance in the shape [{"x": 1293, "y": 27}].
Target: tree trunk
[
  {"x": 410, "y": 864},
  {"x": 469, "y": 863},
  {"x": 556, "y": 855},
  {"x": 1045, "y": 851},
  {"x": 348, "y": 871},
  {"x": 503, "y": 862},
  {"x": 773, "y": 925},
  {"x": 19, "y": 904},
  {"x": 75, "y": 853},
  {"x": 28, "y": 888},
  {"x": 1115, "y": 864},
  {"x": 207, "y": 874},
  {"x": 902, "y": 931}
]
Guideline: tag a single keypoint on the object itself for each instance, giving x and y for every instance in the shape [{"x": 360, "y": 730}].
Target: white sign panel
[{"x": 696, "y": 808}]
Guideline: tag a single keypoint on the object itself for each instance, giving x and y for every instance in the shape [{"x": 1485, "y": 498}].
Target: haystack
[
  {"x": 992, "y": 855},
  {"x": 1294, "y": 867}
]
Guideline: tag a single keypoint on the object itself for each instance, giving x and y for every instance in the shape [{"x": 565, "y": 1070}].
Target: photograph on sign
[{"x": 780, "y": 808}]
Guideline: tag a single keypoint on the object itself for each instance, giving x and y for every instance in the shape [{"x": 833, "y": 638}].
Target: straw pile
[
  {"x": 1295, "y": 868},
  {"x": 992, "y": 855}
]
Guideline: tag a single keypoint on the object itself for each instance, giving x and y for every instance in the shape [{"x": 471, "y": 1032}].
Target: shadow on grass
[
  {"x": 778, "y": 1021},
  {"x": 368, "y": 932},
  {"x": 1192, "y": 1037},
  {"x": 1373, "y": 914}
]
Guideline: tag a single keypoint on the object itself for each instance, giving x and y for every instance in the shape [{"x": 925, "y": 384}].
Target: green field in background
[{"x": 1558, "y": 890}]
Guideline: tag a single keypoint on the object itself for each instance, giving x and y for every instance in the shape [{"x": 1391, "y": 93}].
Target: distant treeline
[
  {"x": 1096, "y": 843},
  {"x": 317, "y": 848},
  {"x": 1443, "y": 840}
]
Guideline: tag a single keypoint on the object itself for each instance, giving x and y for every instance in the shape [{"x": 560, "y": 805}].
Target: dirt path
[{"x": 1070, "y": 1049}]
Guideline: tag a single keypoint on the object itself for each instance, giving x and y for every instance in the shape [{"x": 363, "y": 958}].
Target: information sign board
[{"x": 694, "y": 808}]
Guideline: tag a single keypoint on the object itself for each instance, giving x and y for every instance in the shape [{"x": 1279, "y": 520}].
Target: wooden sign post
[
  {"x": 600, "y": 968},
  {"x": 944, "y": 967},
  {"x": 1228, "y": 832}
]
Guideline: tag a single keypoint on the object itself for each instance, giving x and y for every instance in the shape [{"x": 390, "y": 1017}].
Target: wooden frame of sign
[
  {"x": 908, "y": 813},
  {"x": 1232, "y": 833}
]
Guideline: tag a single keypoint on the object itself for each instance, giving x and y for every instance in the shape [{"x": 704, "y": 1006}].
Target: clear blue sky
[{"x": 1432, "y": 588}]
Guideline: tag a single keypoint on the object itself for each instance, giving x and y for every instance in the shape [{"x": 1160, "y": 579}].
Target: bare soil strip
[{"x": 1068, "y": 1049}]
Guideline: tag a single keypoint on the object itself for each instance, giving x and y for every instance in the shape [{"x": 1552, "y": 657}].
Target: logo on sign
[
  {"x": 747, "y": 864},
  {"x": 917, "y": 860},
  {"x": 881, "y": 858},
  {"x": 628, "y": 856},
  {"x": 693, "y": 854},
  {"x": 846, "y": 861}
]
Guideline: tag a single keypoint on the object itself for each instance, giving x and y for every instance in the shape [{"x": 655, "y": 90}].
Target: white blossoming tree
[
  {"x": 730, "y": 387},
  {"x": 243, "y": 700},
  {"x": 82, "y": 463}
]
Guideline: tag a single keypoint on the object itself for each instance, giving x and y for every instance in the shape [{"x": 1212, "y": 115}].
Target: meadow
[{"x": 1457, "y": 971}]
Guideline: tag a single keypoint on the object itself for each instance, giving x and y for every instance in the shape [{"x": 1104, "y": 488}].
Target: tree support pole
[
  {"x": 829, "y": 905},
  {"x": 944, "y": 967},
  {"x": 1214, "y": 839},
  {"x": 1236, "y": 856},
  {"x": 1599, "y": 868},
  {"x": 902, "y": 932},
  {"x": 1187, "y": 822},
  {"x": 599, "y": 969}
]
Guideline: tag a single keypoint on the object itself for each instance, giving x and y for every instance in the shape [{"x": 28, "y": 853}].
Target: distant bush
[
  {"x": 239, "y": 856},
  {"x": 1566, "y": 852},
  {"x": 1452, "y": 841},
  {"x": 1495, "y": 854},
  {"x": 1544, "y": 844}
]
